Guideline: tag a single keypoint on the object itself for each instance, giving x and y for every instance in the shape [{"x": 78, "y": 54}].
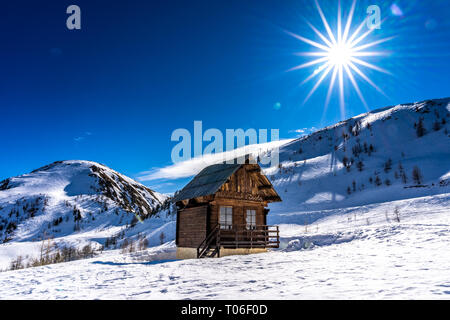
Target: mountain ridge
[
  {"x": 78, "y": 199},
  {"x": 369, "y": 158}
]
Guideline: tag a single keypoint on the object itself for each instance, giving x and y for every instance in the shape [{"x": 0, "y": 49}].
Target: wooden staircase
[
  {"x": 210, "y": 253},
  {"x": 210, "y": 247}
]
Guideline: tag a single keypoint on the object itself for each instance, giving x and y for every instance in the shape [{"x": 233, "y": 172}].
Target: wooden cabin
[{"x": 223, "y": 211}]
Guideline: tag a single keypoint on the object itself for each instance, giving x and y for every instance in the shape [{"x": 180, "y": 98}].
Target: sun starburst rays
[{"x": 340, "y": 55}]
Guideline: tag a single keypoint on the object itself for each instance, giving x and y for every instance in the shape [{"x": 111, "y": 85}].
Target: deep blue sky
[{"x": 114, "y": 91}]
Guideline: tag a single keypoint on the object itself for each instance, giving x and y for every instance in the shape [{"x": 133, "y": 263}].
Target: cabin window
[
  {"x": 251, "y": 219},
  {"x": 226, "y": 217}
]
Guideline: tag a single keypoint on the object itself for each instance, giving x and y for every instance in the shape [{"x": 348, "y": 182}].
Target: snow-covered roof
[
  {"x": 207, "y": 182},
  {"x": 210, "y": 179}
]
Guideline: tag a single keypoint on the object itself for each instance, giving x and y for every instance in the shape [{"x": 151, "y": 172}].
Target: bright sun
[{"x": 340, "y": 54}]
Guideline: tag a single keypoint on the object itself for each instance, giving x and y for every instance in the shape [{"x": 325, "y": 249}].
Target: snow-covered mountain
[
  {"x": 385, "y": 155},
  {"x": 370, "y": 161},
  {"x": 365, "y": 214},
  {"x": 76, "y": 202}
]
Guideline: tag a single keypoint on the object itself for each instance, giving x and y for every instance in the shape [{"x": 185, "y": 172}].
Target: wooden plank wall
[
  {"x": 241, "y": 181},
  {"x": 192, "y": 226},
  {"x": 239, "y": 211}
]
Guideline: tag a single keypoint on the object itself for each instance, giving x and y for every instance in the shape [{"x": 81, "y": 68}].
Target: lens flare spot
[{"x": 277, "y": 106}]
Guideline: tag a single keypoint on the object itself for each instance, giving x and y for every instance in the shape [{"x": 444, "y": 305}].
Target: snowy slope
[
  {"x": 365, "y": 160},
  {"x": 384, "y": 259},
  {"x": 75, "y": 202}
]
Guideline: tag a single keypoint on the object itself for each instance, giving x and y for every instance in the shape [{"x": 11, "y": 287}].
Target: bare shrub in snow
[
  {"x": 143, "y": 244},
  {"x": 87, "y": 251},
  {"x": 17, "y": 263},
  {"x": 124, "y": 246},
  {"x": 131, "y": 247},
  {"x": 397, "y": 214}
]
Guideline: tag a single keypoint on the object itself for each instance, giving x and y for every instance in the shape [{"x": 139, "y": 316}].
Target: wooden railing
[
  {"x": 238, "y": 236},
  {"x": 243, "y": 236}
]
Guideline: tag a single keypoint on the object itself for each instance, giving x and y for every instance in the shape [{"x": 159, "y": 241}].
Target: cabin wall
[
  {"x": 241, "y": 193},
  {"x": 192, "y": 226},
  {"x": 239, "y": 211},
  {"x": 241, "y": 182}
]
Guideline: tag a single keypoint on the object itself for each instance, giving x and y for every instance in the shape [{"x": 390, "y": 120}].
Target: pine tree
[
  {"x": 420, "y": 129},
  {"x": 378, "y": 181},
  {"x": 437, "y": 126},
  {"x": 404, "y": 178},
  {"x": 345, "y": 161},
  {"x": 388, "y": 166},
  {"x": 360, "y": 166},
  {"x": 417, "y": 175}
]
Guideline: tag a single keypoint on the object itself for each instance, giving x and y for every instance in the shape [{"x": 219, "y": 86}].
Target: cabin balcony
[
  {"x": 239, "y": 237},
  {"x": 244, "y": 236}
]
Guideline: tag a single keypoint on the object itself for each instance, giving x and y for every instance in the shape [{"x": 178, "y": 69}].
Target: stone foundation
[
  {"x": 186, "y": 253},
  {"x": 191, "y": 253}
]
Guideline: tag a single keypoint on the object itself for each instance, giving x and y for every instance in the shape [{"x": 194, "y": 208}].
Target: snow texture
[{"x": 383, "y": 260}]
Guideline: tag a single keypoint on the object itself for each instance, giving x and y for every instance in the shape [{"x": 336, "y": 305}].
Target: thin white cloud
[
  {"x": 193, "y": 166},
  {"x": 82, "y": 137},
  {"x": 304, "y": 131},
  {"x": 162, "y": 185}
]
